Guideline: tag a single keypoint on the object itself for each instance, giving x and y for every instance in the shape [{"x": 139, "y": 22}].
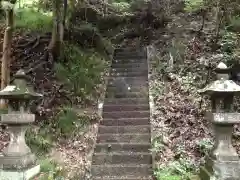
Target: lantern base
[
  {"x": 221, "y": 170},
  {"x": 20, "y": 175},
  {"x": 17, "y": 162}
]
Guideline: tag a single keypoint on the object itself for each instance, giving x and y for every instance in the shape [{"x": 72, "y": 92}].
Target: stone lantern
[
  {"x": 17, "y": 161},
  {"x": 223, "y": 161}
]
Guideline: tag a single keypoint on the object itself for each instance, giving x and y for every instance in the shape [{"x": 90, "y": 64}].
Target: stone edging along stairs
[{"x": 124, "y": 136}]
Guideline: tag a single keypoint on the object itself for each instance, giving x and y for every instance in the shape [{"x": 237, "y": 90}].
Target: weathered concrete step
[
  {"x": 129, "y": 65},
  {"x": 125, "y": 122},
  {"x": 124, "y": 70},
  {"x": 123, "y": 178},
  {"x": 121, "y": 158},
  {"x": 126, "y": 114},
  {"x": 111, "y": 94},
  {"x": 133, "y": 107},
  {"x": 124, "y": 138},
  {"x": 129, "y": 49},
  {"x": 124, "y": 129},
  {"x": 130, "y": 74},
  {"x": 122, "y": 147},
  {"x": 130, "y": 56},
  {"x": 128, "y": 68},
  {"x": 121, "y": 170},
  {"x": 126, "y": 61},
  {"x": 122, "y": 101},
  {"x": 130, "y": 79},
  {"x": 134, "y": 89},
  {"x": 133, "y": 81}
]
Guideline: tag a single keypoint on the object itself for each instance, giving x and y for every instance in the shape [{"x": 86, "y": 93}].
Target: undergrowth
[
  {"x": 82, "y": 73},
  {"x": 32, "y": 20}
]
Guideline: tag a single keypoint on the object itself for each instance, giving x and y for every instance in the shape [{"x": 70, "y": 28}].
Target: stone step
[
  {"x": 125, "y": 122},
  {"x": 123, "y": 178},
  {"x": 124, "y": 138},
  {"x": 122, "y": 147},
  {"x": 141, "y": 85},
  {"x": 126, "y": 114},
  {"x": 130, "y": 79},
  {"x": 129, "y": 56},
  {"x": 134, "y": 90},
  {"x": 129, "y": 50},
  {"x": 121, "y": 170},
  {"x": 137, "y": 82},
  {"x": 121, "y": 158},
  {"x": 143, "y": 73},
  {"x": 128, "y": 70},
  {"x": 133, "y": 107},
  {"x": 126, "y": 61},
  {"x": 124, "y": 129},
  {"x": 130, "y": 65},
  {"x": 123, "y": 101},
  {"x": 111, "y": 94}
]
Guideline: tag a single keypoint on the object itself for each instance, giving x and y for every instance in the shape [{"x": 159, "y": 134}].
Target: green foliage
[
  {"x": 32, "y": 20},
  {"x": 3, "y": 111},
  {"x": 176, "y": 170},
  {"x": 229, "y": 42},
  {"x": 166, "y": 175},
  {"x": 177, "y": 50},
  {"x": 50, "y": 170},
  {"x": 157, "y": 89},
  {"x": 193, "y": 5},
  {"x": 47, "y": 165},
  {"x": 68, "y": 123},
  {"x": 157, "y": 144},
  {"x": 234, "y": 22},
  {"x": 82, "y": 72},
  {"x": 39, "y": 140},
  {"x": 121, "y": 6},
  {"x": 205, "y": 145}
]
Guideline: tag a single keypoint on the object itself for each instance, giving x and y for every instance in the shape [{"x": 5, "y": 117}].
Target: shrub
[
  {"x": 32, "y": 20},
  {"x": 68, "y": 122},
  {"x": 39, "y": 140},
  {"x": 81, "y": 73}
]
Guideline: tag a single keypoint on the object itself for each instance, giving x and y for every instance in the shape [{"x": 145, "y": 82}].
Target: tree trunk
[
  {"x": 6, "y": 55},
  {"x": 57, "y": 31}
]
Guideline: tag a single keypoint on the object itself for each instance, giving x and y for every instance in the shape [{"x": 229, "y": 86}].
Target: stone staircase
[{"x": 124, "y": 136}]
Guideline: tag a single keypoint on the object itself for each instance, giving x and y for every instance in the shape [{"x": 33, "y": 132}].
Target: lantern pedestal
[
  {"x": 17, "y": 162},
  {"x": 20, "y": 175},
  {"x": 223, "y": 162},
  {"x": 227, "y": 170}
]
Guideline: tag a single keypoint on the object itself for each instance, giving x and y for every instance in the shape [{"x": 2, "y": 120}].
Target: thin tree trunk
[
  {"x": 57, "y": 31},
  {"x": 6, "y": 57}
]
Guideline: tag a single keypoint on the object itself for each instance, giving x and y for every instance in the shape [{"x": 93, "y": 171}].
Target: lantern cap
[
  {"x": 19, "y": 89},
  {"x": 222, "y": 69},
  {"x": 221, "y": 86},
  {"x": 222, "y": 65}
]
